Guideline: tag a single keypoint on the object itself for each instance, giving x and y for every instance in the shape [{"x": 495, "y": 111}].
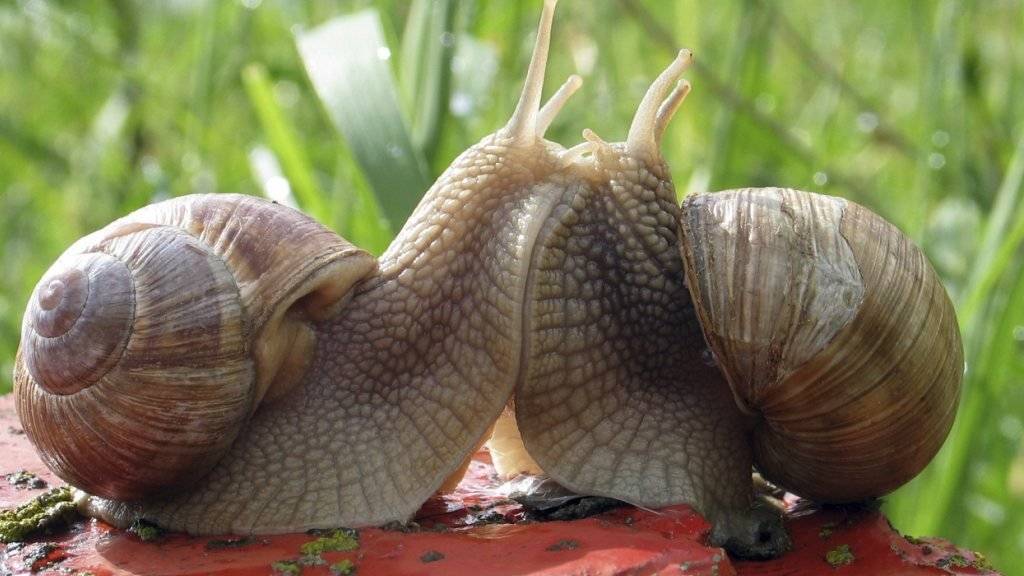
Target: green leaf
[
  {"x": 997, "y": 248},
  {"x": 347, "y": 62},
  {"x": 428, "y": 45},
  {"x": 357, "y": 215},
  {"x": 991, "y": 356},
  {"x": 283, "y": 141}
]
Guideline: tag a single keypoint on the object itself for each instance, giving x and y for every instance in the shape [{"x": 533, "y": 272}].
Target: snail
[
  {"x": 223, "y": 364},
  {"x": 797, "y": 332}
]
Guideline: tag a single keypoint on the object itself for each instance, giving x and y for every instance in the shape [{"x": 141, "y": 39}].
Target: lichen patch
[
  {"x": 45, "y": 513},
  {"x": 840, "y": 556}
]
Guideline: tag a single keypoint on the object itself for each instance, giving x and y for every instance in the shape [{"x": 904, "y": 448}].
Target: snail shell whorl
[
  {"x": 94, "y": 290},
  {"x": 289, "y": 269},
  {"x": 133, "y": 410},
  {"x": 147, "y": 345},
  {"x": 832, "y": 328}
]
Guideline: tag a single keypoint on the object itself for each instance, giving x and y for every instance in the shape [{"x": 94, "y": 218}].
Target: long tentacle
[{"x": 523, "y": 124}]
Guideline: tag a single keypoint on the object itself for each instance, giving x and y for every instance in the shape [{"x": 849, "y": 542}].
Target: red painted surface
[{"x": 475, "y": 531}]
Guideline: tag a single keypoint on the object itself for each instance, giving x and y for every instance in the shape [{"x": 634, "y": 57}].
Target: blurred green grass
[{"x": 913, "y": 109}]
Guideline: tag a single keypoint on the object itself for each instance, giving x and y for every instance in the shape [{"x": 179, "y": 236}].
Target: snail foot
[
  {"x": 545, "y": 499},
  {"x": 755, "y": 534},
  {"x": 118, "y": 514}
]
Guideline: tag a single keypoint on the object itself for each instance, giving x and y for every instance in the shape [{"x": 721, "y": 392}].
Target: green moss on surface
[
  {"x": 981, "y": 562},
  {"x": 840, "y": 556},
  {"x": 312, "y": 560},
  {"x": 49, "y": 511},
  {"x": 339, "y": 540},
  {"x": 24, "y": 480},
  {"x": 956, "y": 560},
  {"x": 343, "y": 568},
  {"x": 286, "y": 567},
  {"x": 146, "y": 531}
]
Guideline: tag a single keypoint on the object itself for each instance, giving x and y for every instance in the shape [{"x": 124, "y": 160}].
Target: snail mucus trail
[{"x": 220, "y": 364}]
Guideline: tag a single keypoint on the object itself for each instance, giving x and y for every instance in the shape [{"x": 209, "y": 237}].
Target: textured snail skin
[
  {"x": 619, "y": 395},
  {"x": 617, "y": 400},
  {"x": 558, "y": 290}
]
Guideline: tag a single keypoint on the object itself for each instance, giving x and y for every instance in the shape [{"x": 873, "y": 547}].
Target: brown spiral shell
[
  {"x": 833, "y": 331},
  {"x": 148, "y": 344}
]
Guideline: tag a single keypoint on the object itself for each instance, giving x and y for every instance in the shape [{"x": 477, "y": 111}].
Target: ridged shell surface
[
  {"x": 132, "y": 414},
  {"x": 833, "y": 329},
  {"x": 148, "y": 344}
]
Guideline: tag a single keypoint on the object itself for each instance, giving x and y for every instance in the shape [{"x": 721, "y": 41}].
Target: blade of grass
[
  {"x": 347, "y": 62},
  {"x": 271, "y": 179},
  {"x": 470, "y": 113},
  {"x": 283, "y": 141},
  {"x": 1004, "y": 258},
  {"x": 412, "y": 59},
  {"x": 725, "y": 119},
  {"x": 988, "y": 378},
  {"x": 944, "y": 98},
  {"x": 202, "y": 79},
  {"x": 357, "y": 214},
  {"x": 947, "y": 475},
  {"x": 428, "y": 45},
  {"x": 1008, "y": 195}
]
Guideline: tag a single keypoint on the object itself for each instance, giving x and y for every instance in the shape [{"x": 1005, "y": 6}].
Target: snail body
[{"x": 611, "y": 338}]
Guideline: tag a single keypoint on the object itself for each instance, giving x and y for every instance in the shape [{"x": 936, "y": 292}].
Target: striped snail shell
[
  {"x": 832, "y": 329},
  {"x": 148, "y": 344}
]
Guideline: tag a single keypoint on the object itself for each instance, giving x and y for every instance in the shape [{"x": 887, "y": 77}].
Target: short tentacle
[
  {"x": 578, "y": 151},
  {"x": 643, "y": 132},
  {"x": 594, "y": 140},
  {"x": 668, "y": 109},
  {"x": 556, "y": 103}
]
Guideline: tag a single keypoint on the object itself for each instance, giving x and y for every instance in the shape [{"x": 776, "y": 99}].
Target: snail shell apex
[
  {"x": 148, "y": 344},
  {"x": 62, "y": 307},
  {"x": 831, "y": 327}
]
